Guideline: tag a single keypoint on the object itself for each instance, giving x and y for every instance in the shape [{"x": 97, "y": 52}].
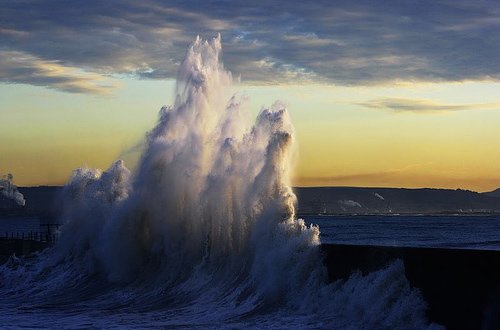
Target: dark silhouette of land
[
  {"x": 40, "y": 201},
  {"x": 320, "y": 200},
  {"x": 353, "y": 200},
  {"x": 494, "y": 193}
]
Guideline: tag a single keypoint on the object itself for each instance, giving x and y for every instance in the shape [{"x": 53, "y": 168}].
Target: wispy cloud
[
  {"x": 355, "y": 177},
  {"x": 403, "y": 179},
  {"x": 421, "y": 106},
  {"x": 21, "y": 68}
]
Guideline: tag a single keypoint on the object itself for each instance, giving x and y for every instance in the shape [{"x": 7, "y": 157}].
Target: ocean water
[
  {"x": 202, "y": 235},
  {"x": 470, "y": 232},
  {"x": 459, "y": 232}
]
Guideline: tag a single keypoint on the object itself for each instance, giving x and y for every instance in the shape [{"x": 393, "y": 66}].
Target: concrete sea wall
[{"x": 461, "y": 287}]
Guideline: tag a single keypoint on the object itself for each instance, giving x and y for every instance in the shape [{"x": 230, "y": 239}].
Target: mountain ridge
[
  {"x": 43, "y": 200},
  {"x": 494, "y": 193},
  {"x": 374, "y": 200}
]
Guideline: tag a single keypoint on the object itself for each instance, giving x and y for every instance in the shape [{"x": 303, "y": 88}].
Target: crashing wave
[{"x": 204, "y": 232}]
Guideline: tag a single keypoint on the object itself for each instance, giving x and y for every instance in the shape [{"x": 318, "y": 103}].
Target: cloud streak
[
  {"x": 377, "y": 176},
  {"x": 22, "y": 68},
  {"x": 424, "y": 106}
]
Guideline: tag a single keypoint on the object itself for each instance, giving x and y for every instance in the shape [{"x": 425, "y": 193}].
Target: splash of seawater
[{"x": 203, "y": 233}]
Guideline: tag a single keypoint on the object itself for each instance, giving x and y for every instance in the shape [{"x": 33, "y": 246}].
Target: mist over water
[{"x": 203, "y": 233}]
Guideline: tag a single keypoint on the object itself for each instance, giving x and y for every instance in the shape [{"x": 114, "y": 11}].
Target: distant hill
[
  {"x": 349, "y": 200},
  {"x": 40, "y": 201},
  {"x": 494, "y": 193},
  {"x": 329, "y": 200}
]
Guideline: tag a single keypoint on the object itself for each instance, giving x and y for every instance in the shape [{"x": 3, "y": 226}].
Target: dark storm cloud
[{"x": 337, "y": 42}]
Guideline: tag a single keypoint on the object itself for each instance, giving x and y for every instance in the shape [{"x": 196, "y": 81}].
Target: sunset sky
[{"x": 392, "y": 93}]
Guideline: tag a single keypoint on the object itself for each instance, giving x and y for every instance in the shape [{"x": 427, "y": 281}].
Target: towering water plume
[
  {"x": 204, "y": 230},
  {"x": 211, "y": 190}
]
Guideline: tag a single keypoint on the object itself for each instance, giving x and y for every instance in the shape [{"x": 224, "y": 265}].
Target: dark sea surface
[{"x": 471, "y": 232}]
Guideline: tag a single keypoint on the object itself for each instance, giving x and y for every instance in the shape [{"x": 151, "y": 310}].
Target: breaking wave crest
[{"x": 202, "y": 234}]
